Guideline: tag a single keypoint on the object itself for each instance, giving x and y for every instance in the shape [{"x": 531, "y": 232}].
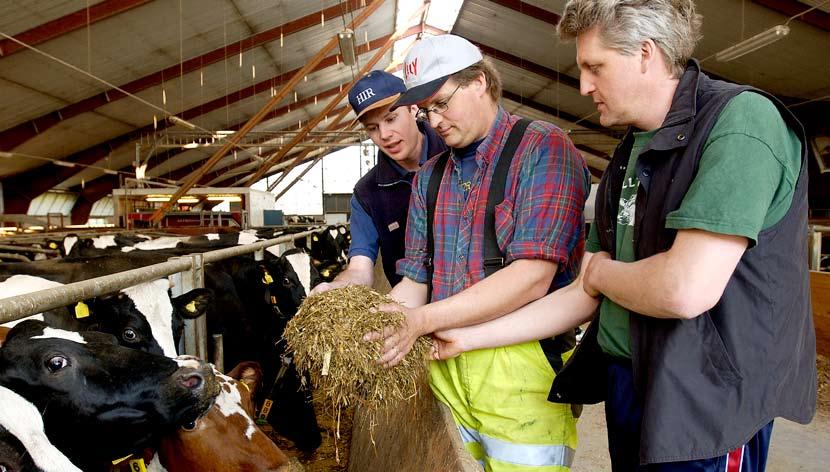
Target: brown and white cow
[{"x": 226, "y": 438}]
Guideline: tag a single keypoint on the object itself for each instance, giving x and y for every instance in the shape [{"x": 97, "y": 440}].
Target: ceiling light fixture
[
  {"x": 764, "y": 38},
  {"x": 183, "y": 123},
  {"x": 347, "y": 47},
  {"x": 754, "y": 43}
]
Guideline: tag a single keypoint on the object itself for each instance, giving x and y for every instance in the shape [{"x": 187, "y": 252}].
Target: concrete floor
[{"x": 794, "y": 448}]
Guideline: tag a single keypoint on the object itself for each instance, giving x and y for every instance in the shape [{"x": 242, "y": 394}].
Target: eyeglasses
[{"x": 440, "y": 107}]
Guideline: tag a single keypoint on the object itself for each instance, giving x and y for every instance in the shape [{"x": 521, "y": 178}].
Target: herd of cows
[{"x": 99, "y": 385}]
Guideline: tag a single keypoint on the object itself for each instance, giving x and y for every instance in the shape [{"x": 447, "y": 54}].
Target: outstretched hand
[
  {"x": 589, "y": 277},
  {"x": 326, "y": 286},
  {"x": 446, "y": 344},
  {"x": 397, "y": 340}
]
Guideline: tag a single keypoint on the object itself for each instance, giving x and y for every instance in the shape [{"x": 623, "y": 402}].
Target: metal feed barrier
[{"x": 185, "y": 272}]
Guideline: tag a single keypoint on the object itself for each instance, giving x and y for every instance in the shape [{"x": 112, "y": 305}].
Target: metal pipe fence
[{"x": 21, "y": 306}]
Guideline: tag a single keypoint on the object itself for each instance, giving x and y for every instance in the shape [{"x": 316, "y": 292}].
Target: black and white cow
[
  {"x": 101, "y": 401},
  {"x": 141, "y": 317}
]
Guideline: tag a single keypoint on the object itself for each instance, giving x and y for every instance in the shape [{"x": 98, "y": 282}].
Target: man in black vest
[
  {"x": 695, "y": 271},
  {"x": 380, "y": 201}
]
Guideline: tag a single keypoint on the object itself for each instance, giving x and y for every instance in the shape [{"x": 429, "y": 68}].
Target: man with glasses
[
  {"x": 498, "y": 397},
  {"x": 380, "y": 200}
]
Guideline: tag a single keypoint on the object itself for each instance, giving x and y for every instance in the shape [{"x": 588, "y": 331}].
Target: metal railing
[
  {"x": 814, "y": 245},
  {"x": 186, "y": 273}
]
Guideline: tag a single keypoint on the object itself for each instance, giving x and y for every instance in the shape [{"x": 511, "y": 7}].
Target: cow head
[
  {"x": 121, "y": 399},
  {"x": 226, "y": 438},
  {"x": 144, "y": 316}
]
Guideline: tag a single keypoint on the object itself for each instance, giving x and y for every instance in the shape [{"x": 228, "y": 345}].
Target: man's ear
[
  {"x": 650, "y": 55},
  {"x": 413, "y": 109}
]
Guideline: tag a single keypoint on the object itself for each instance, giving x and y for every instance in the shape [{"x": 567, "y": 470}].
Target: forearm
[
  {"x": 508, "y": 289},
  {"x": 409, "y": 293},
  {"x": 361, "y": 271},
  {"x": 682, "y": 282},
  {"x": 553, "y": 314}
]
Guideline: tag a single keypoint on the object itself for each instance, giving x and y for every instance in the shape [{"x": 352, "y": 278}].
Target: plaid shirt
[{"x": 540, "y": 217}]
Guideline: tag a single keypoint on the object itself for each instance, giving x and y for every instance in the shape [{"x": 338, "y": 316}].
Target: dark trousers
[{"x": 623, "y": 414}]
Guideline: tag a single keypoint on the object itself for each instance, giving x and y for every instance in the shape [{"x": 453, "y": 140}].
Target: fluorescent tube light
[
  {"x": 183, "y": 123},
  {"x": 64, "y": 163},
  {"x": 754, "y": 43}
]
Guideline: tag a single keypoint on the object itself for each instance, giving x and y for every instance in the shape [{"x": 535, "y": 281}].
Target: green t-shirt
[{"x": 745, "y": 183}]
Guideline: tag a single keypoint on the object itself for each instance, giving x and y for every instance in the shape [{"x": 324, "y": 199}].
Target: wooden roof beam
[{"x": 231, "y": 142}]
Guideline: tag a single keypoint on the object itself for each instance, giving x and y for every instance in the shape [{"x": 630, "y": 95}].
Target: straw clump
[{"x": 326, "y": 336}]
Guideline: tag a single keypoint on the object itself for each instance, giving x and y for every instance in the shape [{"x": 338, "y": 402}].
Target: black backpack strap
[
  {"x": 493, "y": 257},
  {"x": 432, "y": 197}
]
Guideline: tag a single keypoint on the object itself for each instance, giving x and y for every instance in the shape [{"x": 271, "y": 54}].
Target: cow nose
[{"x": 192, "y": 381}]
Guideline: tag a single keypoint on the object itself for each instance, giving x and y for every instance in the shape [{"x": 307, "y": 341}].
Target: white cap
[{"x": 431, "y": 62}]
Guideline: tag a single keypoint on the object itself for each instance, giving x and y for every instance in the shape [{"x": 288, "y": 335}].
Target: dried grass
[{"x": 326, "y": 336}]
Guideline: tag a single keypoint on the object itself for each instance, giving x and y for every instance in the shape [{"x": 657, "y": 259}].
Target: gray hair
[{"x": 673, "y": 25}]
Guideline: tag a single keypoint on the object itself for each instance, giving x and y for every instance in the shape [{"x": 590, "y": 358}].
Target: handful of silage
[{"x": 326, "y": 336}]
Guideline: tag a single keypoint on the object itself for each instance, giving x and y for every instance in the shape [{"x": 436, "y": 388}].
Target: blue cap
[{"x": 373, "y": 90}]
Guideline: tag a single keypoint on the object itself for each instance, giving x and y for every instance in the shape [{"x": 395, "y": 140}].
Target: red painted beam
[
  {"x": 87, "y": 196},
  {"x": 530, "y": 10},
  {"x": 19, "y": 134},
  {"x": 28, "y": 185},
  {"x": 818, "y": 18},
  {"x": 67, "y": 24}
]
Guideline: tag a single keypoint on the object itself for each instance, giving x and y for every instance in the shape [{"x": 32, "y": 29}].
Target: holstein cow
[
  {"x": 270, "y": 294},
  {"x": 327, "y": 254},
  {"x": 23, "y": 442},
  {"x": 213, "y": 443},
  {"x": 101, "y": 401},
  {"x": 141, "y": 317}
]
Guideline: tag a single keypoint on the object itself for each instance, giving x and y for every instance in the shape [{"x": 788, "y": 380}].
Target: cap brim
[
  {"x": 378, "y": 104},
  {"x": 420, "y": 93}
]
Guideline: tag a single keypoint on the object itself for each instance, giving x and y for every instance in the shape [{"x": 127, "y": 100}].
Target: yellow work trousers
[{"x": 498, "y": 398}]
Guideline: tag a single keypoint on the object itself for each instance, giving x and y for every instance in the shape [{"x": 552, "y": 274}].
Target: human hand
[
  {"x": 326, "y": 286},
  {"x": 397, "y": 340},
  {"x": 591, "y": 275},
  {"x": 447, "y": 344}
]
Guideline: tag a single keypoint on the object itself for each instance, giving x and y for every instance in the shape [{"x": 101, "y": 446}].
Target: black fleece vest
[
  {"x": 384, "y": 193},
  {"x": 709, "y": 383}
]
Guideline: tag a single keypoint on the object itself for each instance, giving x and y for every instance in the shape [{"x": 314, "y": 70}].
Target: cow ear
[
  {"x": 194, "y": 303},
  {"x": 249, "y": 373}
]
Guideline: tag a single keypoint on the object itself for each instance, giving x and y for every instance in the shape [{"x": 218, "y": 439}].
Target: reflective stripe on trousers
[{"x": 519, "y": 454}]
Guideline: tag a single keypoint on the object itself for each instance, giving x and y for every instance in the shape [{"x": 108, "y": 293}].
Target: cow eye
[
  {"x": 129, "y": 335},
  {"x": 189, "y": 426},
  {"x": 286, "y": 282},
  {"x": 56, "y": 363}
]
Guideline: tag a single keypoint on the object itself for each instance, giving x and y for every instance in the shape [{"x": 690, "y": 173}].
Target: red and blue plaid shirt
[{"x": 540, "y": 217}]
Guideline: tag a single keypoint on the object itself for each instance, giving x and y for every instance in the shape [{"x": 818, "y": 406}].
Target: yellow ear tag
[
  {"x": 191, "y": 307},
  {"x": 267, "y": 279},
  {"x": 137, "y": 465},
  {"x": 53, "y": 246},
  {"x": 118, "y": 461},
  {"x": 81, "y": 310}
]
